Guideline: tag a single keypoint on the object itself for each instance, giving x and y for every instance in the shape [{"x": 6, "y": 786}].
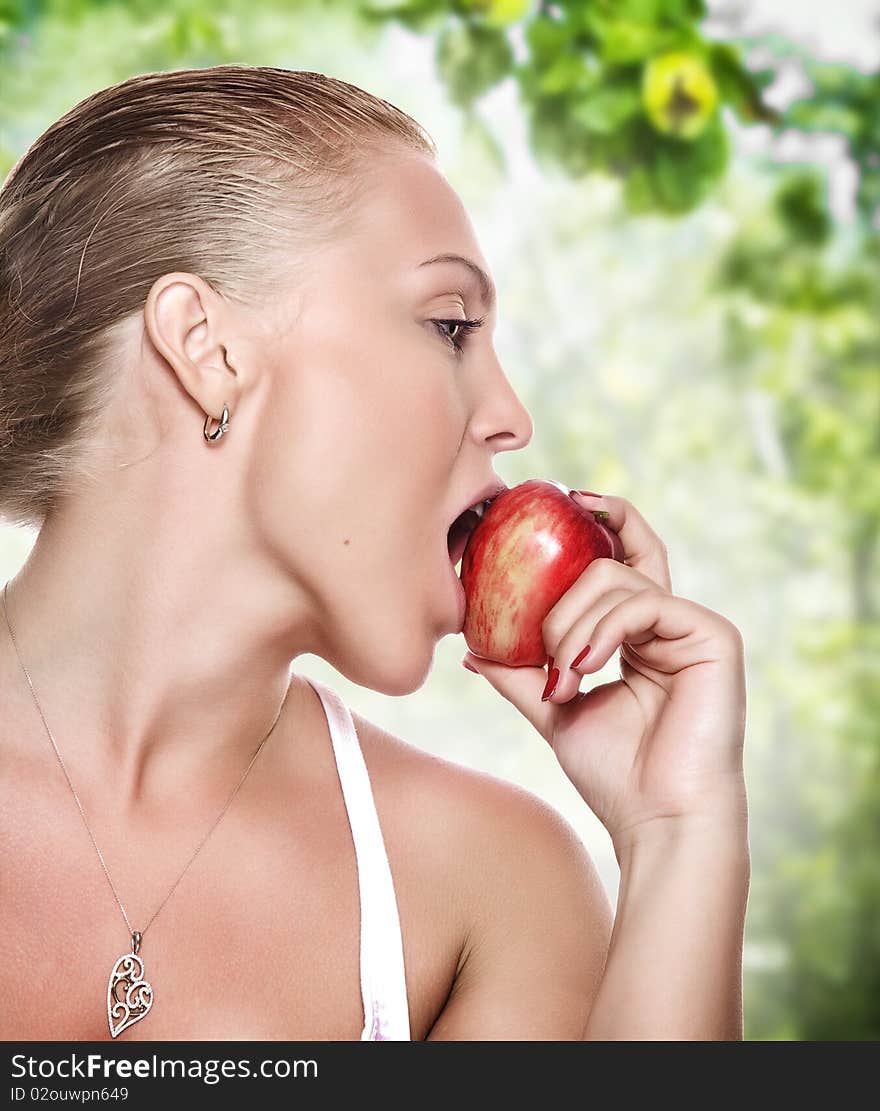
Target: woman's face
[{"x": 378, "y": 432}]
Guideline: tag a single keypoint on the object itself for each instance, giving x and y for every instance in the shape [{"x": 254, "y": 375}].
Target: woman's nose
[{"x": 502, "y": 417}]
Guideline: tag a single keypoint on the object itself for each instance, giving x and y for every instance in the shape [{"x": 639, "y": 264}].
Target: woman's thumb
[{"x": 522, "y": 686}]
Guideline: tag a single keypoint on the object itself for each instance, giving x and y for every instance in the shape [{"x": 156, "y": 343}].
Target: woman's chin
[
  {"x": 398, "y": 666},
  {"x": 402, "y": 679}
]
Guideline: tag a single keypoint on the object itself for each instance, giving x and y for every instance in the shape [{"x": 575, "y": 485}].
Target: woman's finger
[
  {"x": 572, "y": 649},
  {"x": 643, "y": 548},
  {"x": 521, "y": 686},
  {"x": 680, "y": 632},
  {"x": 600, "y": 577}
]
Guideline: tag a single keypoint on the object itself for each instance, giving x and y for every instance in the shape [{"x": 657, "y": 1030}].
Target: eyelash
[{"x": 466, "y": 327}]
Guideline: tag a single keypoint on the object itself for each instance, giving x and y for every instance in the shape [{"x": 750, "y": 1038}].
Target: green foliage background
[{"x": 692, "y": 323}]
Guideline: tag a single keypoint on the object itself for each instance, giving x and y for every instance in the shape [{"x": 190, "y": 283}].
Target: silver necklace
[{"x": 129, "y": 995}]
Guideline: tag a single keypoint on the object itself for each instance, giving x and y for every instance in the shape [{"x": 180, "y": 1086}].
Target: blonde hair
[{"x": 233, "y": 172}]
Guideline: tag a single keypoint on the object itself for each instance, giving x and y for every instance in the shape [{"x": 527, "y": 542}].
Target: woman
[{"x": 277, "y": 252}]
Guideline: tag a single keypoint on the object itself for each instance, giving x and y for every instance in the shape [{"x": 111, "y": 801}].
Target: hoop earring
[{"x": 221, "y": 427}]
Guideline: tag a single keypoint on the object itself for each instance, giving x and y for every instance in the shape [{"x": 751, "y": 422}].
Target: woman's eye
[{"x": 459, "y": 330}]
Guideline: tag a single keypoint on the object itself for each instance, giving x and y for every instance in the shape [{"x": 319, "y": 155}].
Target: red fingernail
[
  {"x": 552, "y": 680},
  {"x": 578, "y": 659},
  {"x": 469, "y": 667},
  {"x": 588, "y": 493}
]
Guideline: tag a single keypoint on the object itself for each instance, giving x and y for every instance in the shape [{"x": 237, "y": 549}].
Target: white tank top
[{"x": 383, "y": 979}]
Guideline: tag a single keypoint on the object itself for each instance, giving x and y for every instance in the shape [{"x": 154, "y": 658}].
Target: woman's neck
[{"x": 157, "y": 666}]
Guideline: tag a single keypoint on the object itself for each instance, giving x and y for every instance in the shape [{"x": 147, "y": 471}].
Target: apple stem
[{"x": 600, "y": 514}]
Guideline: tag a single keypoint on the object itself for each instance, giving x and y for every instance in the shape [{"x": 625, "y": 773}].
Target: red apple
[{"x": 530, "y": 546}]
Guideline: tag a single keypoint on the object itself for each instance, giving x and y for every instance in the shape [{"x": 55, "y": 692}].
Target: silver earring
[{"x": 221, "y": 427}]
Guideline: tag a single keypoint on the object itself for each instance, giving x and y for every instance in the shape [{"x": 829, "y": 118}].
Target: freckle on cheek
[{"x": 346, "y": 541}]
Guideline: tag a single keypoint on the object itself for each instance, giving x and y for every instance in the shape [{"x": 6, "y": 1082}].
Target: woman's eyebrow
[{"x": 487, "y": 289}]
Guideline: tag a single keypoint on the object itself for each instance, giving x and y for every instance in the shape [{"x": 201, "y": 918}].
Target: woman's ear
[{"x": 187, "y": 325}]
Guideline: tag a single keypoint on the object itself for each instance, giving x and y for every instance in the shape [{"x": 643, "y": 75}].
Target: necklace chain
[{"x": 79, "y": 804}]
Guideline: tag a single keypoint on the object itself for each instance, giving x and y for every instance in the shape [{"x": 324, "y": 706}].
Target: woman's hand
[{"x": 660, "y": 747}]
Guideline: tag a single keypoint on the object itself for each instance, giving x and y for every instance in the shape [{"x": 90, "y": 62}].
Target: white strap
[{"x": 383, "y": 979}]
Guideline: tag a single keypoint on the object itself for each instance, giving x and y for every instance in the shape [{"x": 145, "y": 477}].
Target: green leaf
[
  {"x": 471, "y": 59},
  {"x": 417, "y": 15},
  {"x": 638, "y": 191},
  {"x": 568, "y": 73},
  {"x": 13, "y": 13},
  {"x": 548, "y": 40},
  {"x": 816, "y": 115},
  {"x": 801, "y": 202},
  {"x": 737, "y": 85},
  {"x": 684, "y": 172},
  {"x": 639, "y": 11},
  {"x": 623, "y": 42},
  {"x": 608, "y": 107},
  {"x": 676, "y": 188}
]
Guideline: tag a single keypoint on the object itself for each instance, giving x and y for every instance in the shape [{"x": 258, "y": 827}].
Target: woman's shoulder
[
  {"x": 511, "y": 878},
  {"x": 460, "y": 808}
]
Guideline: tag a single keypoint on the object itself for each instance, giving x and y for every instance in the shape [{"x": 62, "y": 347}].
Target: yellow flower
[{"x": 679, "y": 94}]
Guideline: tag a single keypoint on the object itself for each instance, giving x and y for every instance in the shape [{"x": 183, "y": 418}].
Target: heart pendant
[{"x": 129, "y": 996}]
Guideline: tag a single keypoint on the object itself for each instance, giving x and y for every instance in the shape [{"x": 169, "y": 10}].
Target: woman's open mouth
[{"x": 461, "y": 528}]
